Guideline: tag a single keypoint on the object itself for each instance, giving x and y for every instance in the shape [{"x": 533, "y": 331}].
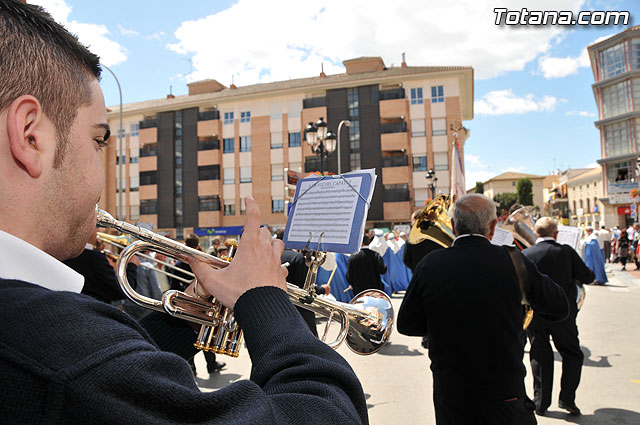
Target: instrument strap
[{"x": 521, "y": 272}]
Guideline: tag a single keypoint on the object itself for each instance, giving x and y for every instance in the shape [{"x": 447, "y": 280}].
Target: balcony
[
  {"x": 394, "y": 109},
  {"x": 314, "y": 102},
  {"x": 148, "y": 135},
  {"x": 393, "y": 127},
  {"x": 397, "y": 211},
  {"x": 148, "y": 123},
  {"x": 396, "y": 175},
  {"x": 397, "y": 93},
  {"x": 209, "y": 115},
  {"x": 394, "y": 141}
]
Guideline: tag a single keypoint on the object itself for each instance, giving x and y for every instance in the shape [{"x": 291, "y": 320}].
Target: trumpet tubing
[{"x": 366, "y": 323}]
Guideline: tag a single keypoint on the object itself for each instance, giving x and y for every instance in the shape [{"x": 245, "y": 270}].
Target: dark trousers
[
  {"x": 565, "y": 339},
  {"x": 451, "y": 411}
]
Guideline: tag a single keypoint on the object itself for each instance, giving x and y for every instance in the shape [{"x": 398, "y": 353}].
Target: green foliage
[
  {"x": 479, "y": 187},
  {"x": 524, "y": 190},
  {"x": 506, "y": 200}
]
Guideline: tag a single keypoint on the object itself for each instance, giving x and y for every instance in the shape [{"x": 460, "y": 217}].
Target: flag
[{"x": 457, "y": 177}]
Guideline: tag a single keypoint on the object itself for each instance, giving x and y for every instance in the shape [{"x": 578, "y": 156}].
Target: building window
[
  {"x": 133, "y": 160},
  {"x": 513, "y": 184},
  {"x": 245, "y": 174},
  {"x": 134, "y": 183},
  {"x": 277, "y": 172},
  {"x": 245, "y": 144},
  {"x": 134, "y": 129},
  {"x": 619, "y": 172},
  {"x": 394, "y": 159},
  {"x": 148, "y": 206},
  {"x": 440, "y": 161},
  {"x": 614, "y": 98},
  {"x": 209, "y": 203},
  {"x": 148, "y": 177},
  {"x": 353, "y": 104},
  {"x": 208, "y": 144},
  {"x": 134, "y": 212},
  {"x": 277, "y": 205},
  {"x": 612, "y": 61},
  {"x": 229, "y": 208},
  {"x": 276, "y": 140},
  {"x": 419, "y": 163},
  {"x": 243, "y": 207},
  {"x": 228, "y": 145},
  {"x": 438, "y": 126},
  {"x": 209, "y": 172},
  {"x": 245, "y": 116},
  {"x": 437, "y": 94},
  {"x": 396, "y": 193},
  {"x": 150, "y": 149},
  {"x": 418, "y": 128},
  {"x": 616, "y": 139},
  {"x": 574, "y": 205},
  {"x": 294, "y": 140},
  {"x": 228, "y": 118},
  {"x": 416, "y": 96},
  {"x": 229, "y": 176}
]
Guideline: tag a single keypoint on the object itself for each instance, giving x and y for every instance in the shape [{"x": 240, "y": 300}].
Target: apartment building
[
  {"x": 615, "y": 63},
  {"x": 188, "y": 161}
]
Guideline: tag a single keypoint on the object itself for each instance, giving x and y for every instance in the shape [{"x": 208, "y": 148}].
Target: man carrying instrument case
[{"x": 66, "y": 358}]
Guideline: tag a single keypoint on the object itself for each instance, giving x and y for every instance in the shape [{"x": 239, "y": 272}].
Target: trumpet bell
[
  {"x": 369, "y": 331},
  {"x": 434, "y": 223}
]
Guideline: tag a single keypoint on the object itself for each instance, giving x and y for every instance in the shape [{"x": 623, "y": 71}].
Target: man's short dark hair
[
  {"x": 366, "y": 239},
  {"x": 192, "y": 241},
  {"x": 39, "y": 57}
]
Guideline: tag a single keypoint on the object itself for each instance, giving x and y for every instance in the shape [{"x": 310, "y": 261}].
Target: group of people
[{"x": 101, "y": 365}]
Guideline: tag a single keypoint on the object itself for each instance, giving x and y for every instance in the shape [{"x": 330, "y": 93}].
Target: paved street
[{"x": 397, "y": 381}]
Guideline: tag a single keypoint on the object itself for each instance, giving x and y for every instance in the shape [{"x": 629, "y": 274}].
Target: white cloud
[
  {"x": 92, "y": 35},
  {"x": 562, "y": 67},
  {"x": 581, "y": 113},
  {"x": 281, "y": 39},
  {"x": 520, "y": 169},
  {"x": 505, "y": 102},
  {"x": 155, "y": 36},
  {"x": 475, "y": 170},
  {"x": 126, "y": 31}
]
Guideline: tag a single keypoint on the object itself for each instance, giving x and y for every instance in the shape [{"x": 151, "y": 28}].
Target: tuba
[
  {"x": 365, "y": 323},
  {"x": 433, "y": 223},
  {"x": 520, "y": 224}
]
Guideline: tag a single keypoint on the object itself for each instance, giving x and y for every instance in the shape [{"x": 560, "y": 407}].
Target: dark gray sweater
[{"x": 66, "y": 358}]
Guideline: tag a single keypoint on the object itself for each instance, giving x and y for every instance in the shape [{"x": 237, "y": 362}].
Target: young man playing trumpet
[{"x": 67, "y": 358}]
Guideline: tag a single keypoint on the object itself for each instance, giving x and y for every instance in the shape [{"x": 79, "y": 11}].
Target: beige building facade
[
  {"x": 507, "y": 183},
  {"x": 188, "y": 161},
  {"x": 585, "y": 200}
]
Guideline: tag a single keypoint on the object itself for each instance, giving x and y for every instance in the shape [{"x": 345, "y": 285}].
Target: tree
[
  {"x": 506, "y": 200},
  {"x": 524, "y": 191},
  {"x": 479, "y": 187}
]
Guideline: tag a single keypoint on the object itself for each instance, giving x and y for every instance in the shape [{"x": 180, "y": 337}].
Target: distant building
[
  {"x": 585, "y": 199},
  {"x": 616, "y": 70},
  {"x": 188, "y": 161},
  {"x": 507, "y": 183},
  {"x": 556, "y": 194}
]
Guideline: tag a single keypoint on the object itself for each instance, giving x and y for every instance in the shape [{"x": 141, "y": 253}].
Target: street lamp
[
  {"x": 322, "y": 141},
  {"x": 433, "y": 181},
  {"x": 121, "y": 214}
]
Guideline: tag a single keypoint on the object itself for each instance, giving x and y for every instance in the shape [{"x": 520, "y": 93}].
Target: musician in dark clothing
[
  {"x": 364, "y": 268},
  {"x": 467, "y": 299},
  {"x": 99, "y": 276},
  {"x": 562, "y": 264}
]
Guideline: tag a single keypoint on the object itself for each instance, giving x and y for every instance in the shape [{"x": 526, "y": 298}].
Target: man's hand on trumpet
[{"x": 256, "y": 263}]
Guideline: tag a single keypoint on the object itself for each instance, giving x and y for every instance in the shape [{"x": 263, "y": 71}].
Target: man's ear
[
  {"x": 453, "y": 227},
  {"x": 492, "y": 228},
  {"x": 26, "y": 134}
]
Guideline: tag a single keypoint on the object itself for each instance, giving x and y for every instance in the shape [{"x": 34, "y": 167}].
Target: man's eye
[{"x": 101, "y": 143}]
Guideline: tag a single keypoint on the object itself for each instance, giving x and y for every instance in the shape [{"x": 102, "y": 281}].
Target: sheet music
[
  {"x": 502, "y": 237},
  {"x": 569, "y": 235},
  {"x": 332, "y": 206}
]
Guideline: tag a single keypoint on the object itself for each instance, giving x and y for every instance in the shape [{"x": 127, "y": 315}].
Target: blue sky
[{"x": 534, "y": 106}]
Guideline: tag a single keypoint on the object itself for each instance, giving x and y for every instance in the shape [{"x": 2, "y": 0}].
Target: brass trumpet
[{"x": 365, "y": 323}]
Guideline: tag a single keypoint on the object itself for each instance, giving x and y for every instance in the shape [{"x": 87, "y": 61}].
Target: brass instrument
[
  {"x": 365, "y": 323},
  {"x": 520, "y": 224},
  {"x": 434, "y": 223}
]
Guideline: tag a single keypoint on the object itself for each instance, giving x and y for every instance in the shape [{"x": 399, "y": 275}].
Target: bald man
[{"x": 467, "y": 300}]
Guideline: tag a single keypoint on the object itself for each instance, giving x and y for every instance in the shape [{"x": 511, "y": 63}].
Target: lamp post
[
  {"x": 348, "y": 124},
  {"x": 321, "y": 141},
  {"x": 120, "y": 189},
  {"x": 433, "y": 181}
]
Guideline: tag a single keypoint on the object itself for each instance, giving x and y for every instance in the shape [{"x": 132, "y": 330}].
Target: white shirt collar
[
  {"x": 468, "y": 234},
  {"x": 22, "y": 261},
  {"x": 545, "y": 238}
]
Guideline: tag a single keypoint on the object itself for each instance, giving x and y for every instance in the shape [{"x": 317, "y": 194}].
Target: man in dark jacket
[
  {"x": 562, "y": 264},
  {"x": 66, "y": 358},
  {"x": 364, "y": 268},
  {"x": 467, "y": 299}
]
